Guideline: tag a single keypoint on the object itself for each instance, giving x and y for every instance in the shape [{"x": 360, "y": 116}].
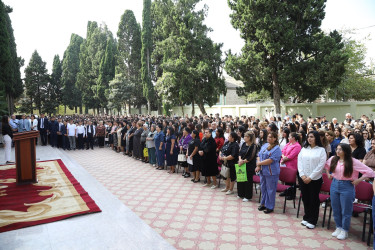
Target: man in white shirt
[
  {"x": 81, "y": 133},
  {"x": 72, "y": 131}
]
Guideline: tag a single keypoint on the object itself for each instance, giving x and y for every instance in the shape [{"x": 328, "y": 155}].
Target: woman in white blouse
[
  {"x": 311, "y": 162},
  {"x": 34, "y": 123}
]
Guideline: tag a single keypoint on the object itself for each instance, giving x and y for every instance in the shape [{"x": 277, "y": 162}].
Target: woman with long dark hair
[
  {"x": 344, "y": 170},
  {"x": 284, "y": 138},
  {"x": 7, "y": 136},
  {"x": 357, "y": 146},
  {"x": 247, "y": 155},
  {"x": 268, "y": 166},
  {"x": 311, "y": 162},
  {"x": 262, "y": 137},
  {"x": 192, "y": 154}
]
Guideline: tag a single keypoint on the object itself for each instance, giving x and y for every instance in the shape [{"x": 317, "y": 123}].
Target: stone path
[{"x": 190, "y": 216}]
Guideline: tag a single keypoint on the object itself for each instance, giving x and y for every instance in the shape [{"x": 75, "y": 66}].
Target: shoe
[
  {"x": 282, "y": 194},
  {"x": 229, "y": 192},
  {"x": 304, "y": 223},
  {"x": 336, "y": 232},
  {"x": 343, "y": 235},
  {"x": 205, "y": 185},
  {"x": 224, "y": 190},
  {"x": 261, "y": 208},
  {"x": 187, "y": 175},
  {"x": 323, "y": 205},
  {"x": 245, "y": 200},
  {"x": 268, "y": 211},
  {"x": 192, "y": 180},
  {"x": 213, "y": 186},
  {"x": 196, "y": 181},
  {"x": 310, "y": 226},
  {"x": 153, "y": 165}
]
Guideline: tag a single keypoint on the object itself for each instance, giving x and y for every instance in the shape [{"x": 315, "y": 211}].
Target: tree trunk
[
  {"x": 64, "y": 109},
  {"x": 201, "y": 107},
  {"x": 182, "y": 109},
  {"x": 75, "y": 109},
  {"x": 80, "y": 110},
  {"x": 192, "y": 108},
  {"x": 86, "y": 110},
  {"x": 276, "y": 92},
  {"x": 148, "y": 107},
  {"x": 139, "y": 109}
]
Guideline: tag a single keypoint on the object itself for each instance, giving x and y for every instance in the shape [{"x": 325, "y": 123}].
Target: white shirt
[
  {"x": 34, "y": 124},
  {"x": 81, "y": 130},
  {"x": 71, "y": 129},
  {"x": 282, "y": 143},
  {"x": 311, "y": 162}
]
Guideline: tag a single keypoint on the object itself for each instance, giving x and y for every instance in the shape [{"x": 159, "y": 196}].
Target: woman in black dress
[
  {"x": 137, "y": 153},
  {"x": 192, "y": 153},
  {"x": 229, "y": 154},
  {"x": 208, "y": 153},
  {"x": 247, "y": 156}
]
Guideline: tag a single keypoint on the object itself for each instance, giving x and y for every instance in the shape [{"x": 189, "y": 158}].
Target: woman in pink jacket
[{"x": 289, "y": 157}]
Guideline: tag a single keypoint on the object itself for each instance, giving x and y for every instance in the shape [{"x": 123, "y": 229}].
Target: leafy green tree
[
  {"x": 129, "y": 57},
  {"x": 148, "y": 88},
  {"x": 285, "y": 51},
  {"x": 188, "y": 63},
  {"x": 357, "y": 83},
  {"x": 71, "y": 96},
  {"x": 119, "y": 92},
  {"x": 36, "y": 81}
]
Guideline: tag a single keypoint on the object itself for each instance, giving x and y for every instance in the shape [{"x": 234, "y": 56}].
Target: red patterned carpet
[
  {"x": 56, "y": 196},
  {"x": 190, "y": 216}
]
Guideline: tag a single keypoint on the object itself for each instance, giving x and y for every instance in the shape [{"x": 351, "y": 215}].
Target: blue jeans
[
  {"x": 342, "y": 197},
  {"x": 268, "y": 186},
  {"x": 151, "y": 155}
]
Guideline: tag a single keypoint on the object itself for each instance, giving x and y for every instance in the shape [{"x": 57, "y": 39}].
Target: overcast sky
[{"x": 46, "y": 25}]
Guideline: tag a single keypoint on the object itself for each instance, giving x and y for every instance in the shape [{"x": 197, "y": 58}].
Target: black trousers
[
  {"x": 90, "y": 141},
  {"x": 310, "y": 197},
  {"x": 53, "y": 139},
  {"x": 43, "y": 136},
  {"x": 60, "y": 141},
  {"x": 80, "y": 141},
  {"x": 245, "y": 189},
  {"x": 101, "y": 141}
]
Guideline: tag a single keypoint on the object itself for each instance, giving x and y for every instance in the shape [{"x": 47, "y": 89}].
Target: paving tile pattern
[{"x": 190, "y": 216}]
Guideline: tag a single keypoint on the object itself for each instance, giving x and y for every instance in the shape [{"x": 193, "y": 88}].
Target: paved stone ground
[{"x": 190, "y": 216}]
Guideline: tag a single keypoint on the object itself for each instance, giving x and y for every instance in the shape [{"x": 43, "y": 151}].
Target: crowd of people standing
[{"x": 214, "y": 147}]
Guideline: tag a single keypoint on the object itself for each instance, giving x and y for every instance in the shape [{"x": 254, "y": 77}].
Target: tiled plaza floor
[{"x": 190, "y": 216}]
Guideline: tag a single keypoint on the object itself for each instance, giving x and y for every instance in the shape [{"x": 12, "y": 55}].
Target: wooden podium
[{"x": 25, "y": 144}]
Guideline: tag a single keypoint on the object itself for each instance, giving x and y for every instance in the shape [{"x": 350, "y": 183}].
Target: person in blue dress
[
  {"x": 268, "y": 167},
  {"x": 159, "y": 146},
  {"x": 171, "y": 149}
]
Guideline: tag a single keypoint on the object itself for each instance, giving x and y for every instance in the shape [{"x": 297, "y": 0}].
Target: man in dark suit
[
  {"x": 91, "y": 132},
  {"x": 53, "y": 129},
  {"x": 43, "y": 127}
]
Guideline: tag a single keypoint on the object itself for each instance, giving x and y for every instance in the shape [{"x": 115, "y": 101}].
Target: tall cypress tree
[
  {"x": 36, "y": 81},
  {"x": 148, "y": 88},
  {"x": 71, "y": 96},
  {"x": 129, "y": 57},
  {"x": 13, "y": 87},
  {"x": 5, "y": 57},
  {"x": 53, "y": 93}
]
